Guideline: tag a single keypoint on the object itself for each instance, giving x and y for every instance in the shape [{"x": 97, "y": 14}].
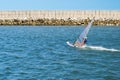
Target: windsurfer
[
  {"x": 78, "y": 44},
  {"x": 82, "y": 40}
]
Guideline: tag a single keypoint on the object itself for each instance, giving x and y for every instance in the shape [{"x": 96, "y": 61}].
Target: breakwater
[{"x": 60, "y": 17}]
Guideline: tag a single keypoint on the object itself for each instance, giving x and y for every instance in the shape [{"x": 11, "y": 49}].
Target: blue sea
[{"x": 41, "y": 53}]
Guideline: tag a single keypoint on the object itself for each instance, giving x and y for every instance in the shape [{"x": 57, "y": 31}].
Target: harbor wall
[{"x": 100, "y": 15}]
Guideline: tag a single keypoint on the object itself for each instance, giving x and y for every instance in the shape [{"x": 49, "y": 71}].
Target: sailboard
[
  {"x": 70, "y": 44},
  {"x": 83, "y": 35}
]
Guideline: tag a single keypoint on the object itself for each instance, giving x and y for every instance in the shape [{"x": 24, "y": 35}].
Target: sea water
[{"x": 41, "y": 53}]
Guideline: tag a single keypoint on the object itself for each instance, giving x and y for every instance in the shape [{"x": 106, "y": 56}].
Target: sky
[{"x": 59, "y": 4}]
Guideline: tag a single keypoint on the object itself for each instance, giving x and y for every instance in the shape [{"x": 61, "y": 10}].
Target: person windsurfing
[
  {"x": 78, "y": 44},
  {"x": 82, "y": 39}
]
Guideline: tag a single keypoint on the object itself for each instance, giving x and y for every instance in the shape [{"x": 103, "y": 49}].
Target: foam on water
[
  {"x": 101, "y": 48},
  {"x": 96, "y": 48}
]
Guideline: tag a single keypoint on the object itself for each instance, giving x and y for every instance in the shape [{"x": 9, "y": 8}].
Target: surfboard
[{"x": 69, "y": 44}]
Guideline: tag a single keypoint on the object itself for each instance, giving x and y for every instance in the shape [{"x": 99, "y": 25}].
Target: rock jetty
[{"x": 60, "y": 17}]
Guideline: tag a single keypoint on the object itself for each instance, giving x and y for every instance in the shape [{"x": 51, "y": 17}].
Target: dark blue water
[{"x": 41, "y": 53}]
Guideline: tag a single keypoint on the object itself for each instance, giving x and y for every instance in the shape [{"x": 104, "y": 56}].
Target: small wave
[{"x": 101, "y": 48}]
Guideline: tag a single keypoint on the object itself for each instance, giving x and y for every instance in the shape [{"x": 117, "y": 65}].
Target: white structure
[{"x": 61, "y": 14}]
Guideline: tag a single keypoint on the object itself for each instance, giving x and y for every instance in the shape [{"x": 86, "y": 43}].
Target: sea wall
[{"x": 60, "y": 17}]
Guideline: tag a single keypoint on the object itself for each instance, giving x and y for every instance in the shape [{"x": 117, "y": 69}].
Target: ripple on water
[{"x": 41, "y": 53}]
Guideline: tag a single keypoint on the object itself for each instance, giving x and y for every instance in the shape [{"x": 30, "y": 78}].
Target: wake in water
[{"x": 100, "y": 48}]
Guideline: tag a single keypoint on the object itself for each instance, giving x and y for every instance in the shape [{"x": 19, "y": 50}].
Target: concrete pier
[{"x": 60, "y": 17}]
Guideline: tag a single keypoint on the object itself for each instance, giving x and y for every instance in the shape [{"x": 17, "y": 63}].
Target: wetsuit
[{"x": 85, "y": 41}]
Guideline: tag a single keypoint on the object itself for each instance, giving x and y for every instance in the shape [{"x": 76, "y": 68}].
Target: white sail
[{"x": 85, "y": 32}]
